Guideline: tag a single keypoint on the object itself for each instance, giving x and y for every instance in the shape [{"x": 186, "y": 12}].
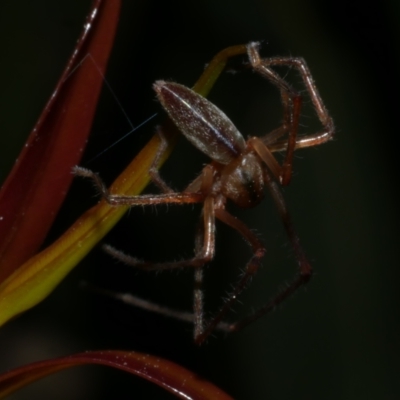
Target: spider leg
[
  {"x": 263, "y": 67},
  {"x": 197, "y": 316},
  {"x": 281, "y": 173},
  {"x": 153, "y": 170},
  {"x": 166, "y": 198},
  {"x": 203, "y": 242},
  {"x": 304, "y": 268},
  {"x": 198, "y": 294},
  {"x": 291, "y": 101},
  {"x": 144, "y": 304},
  {"x": 204, "y": 252},
  {"x": 146, "y": 199},
  {"x": 250, "y": 270},
  {"x": 201, "y": 257},
  {"x": 204, "y": 246}
]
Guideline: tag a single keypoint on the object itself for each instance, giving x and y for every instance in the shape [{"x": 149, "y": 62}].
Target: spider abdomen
[{"x": 204, "y": 125}]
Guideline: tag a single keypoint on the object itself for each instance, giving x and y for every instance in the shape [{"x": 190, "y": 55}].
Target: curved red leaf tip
[{"x": 171, "y": 377}]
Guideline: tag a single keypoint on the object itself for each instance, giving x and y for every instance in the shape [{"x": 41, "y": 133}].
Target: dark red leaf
[
  {"x": 33, "y": 193},
  {"x": 172, "y": 377}
]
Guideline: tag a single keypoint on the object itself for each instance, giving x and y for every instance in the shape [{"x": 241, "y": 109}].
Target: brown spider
[{"x": 238, "y": 172}]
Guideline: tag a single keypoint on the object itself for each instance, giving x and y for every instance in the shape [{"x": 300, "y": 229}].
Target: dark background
[{"x": 336, "y": 339}]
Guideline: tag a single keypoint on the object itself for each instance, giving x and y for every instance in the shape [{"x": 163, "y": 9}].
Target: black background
[{"x": 336, "y": 339}]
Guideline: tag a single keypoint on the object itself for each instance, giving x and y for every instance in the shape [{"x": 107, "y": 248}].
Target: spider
[{"x": 238, "y": 173}]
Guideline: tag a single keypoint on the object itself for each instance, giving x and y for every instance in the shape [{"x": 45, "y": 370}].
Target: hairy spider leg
[
  {"x": 262, "y": 65},
  {"x": 304, "y": 268},
  {"x": 204, "y": 252}
]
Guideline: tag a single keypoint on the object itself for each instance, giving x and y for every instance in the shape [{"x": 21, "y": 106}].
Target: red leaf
[
  {"x": 33, "y": 193},
  {"x": 171, "y": 377}
]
